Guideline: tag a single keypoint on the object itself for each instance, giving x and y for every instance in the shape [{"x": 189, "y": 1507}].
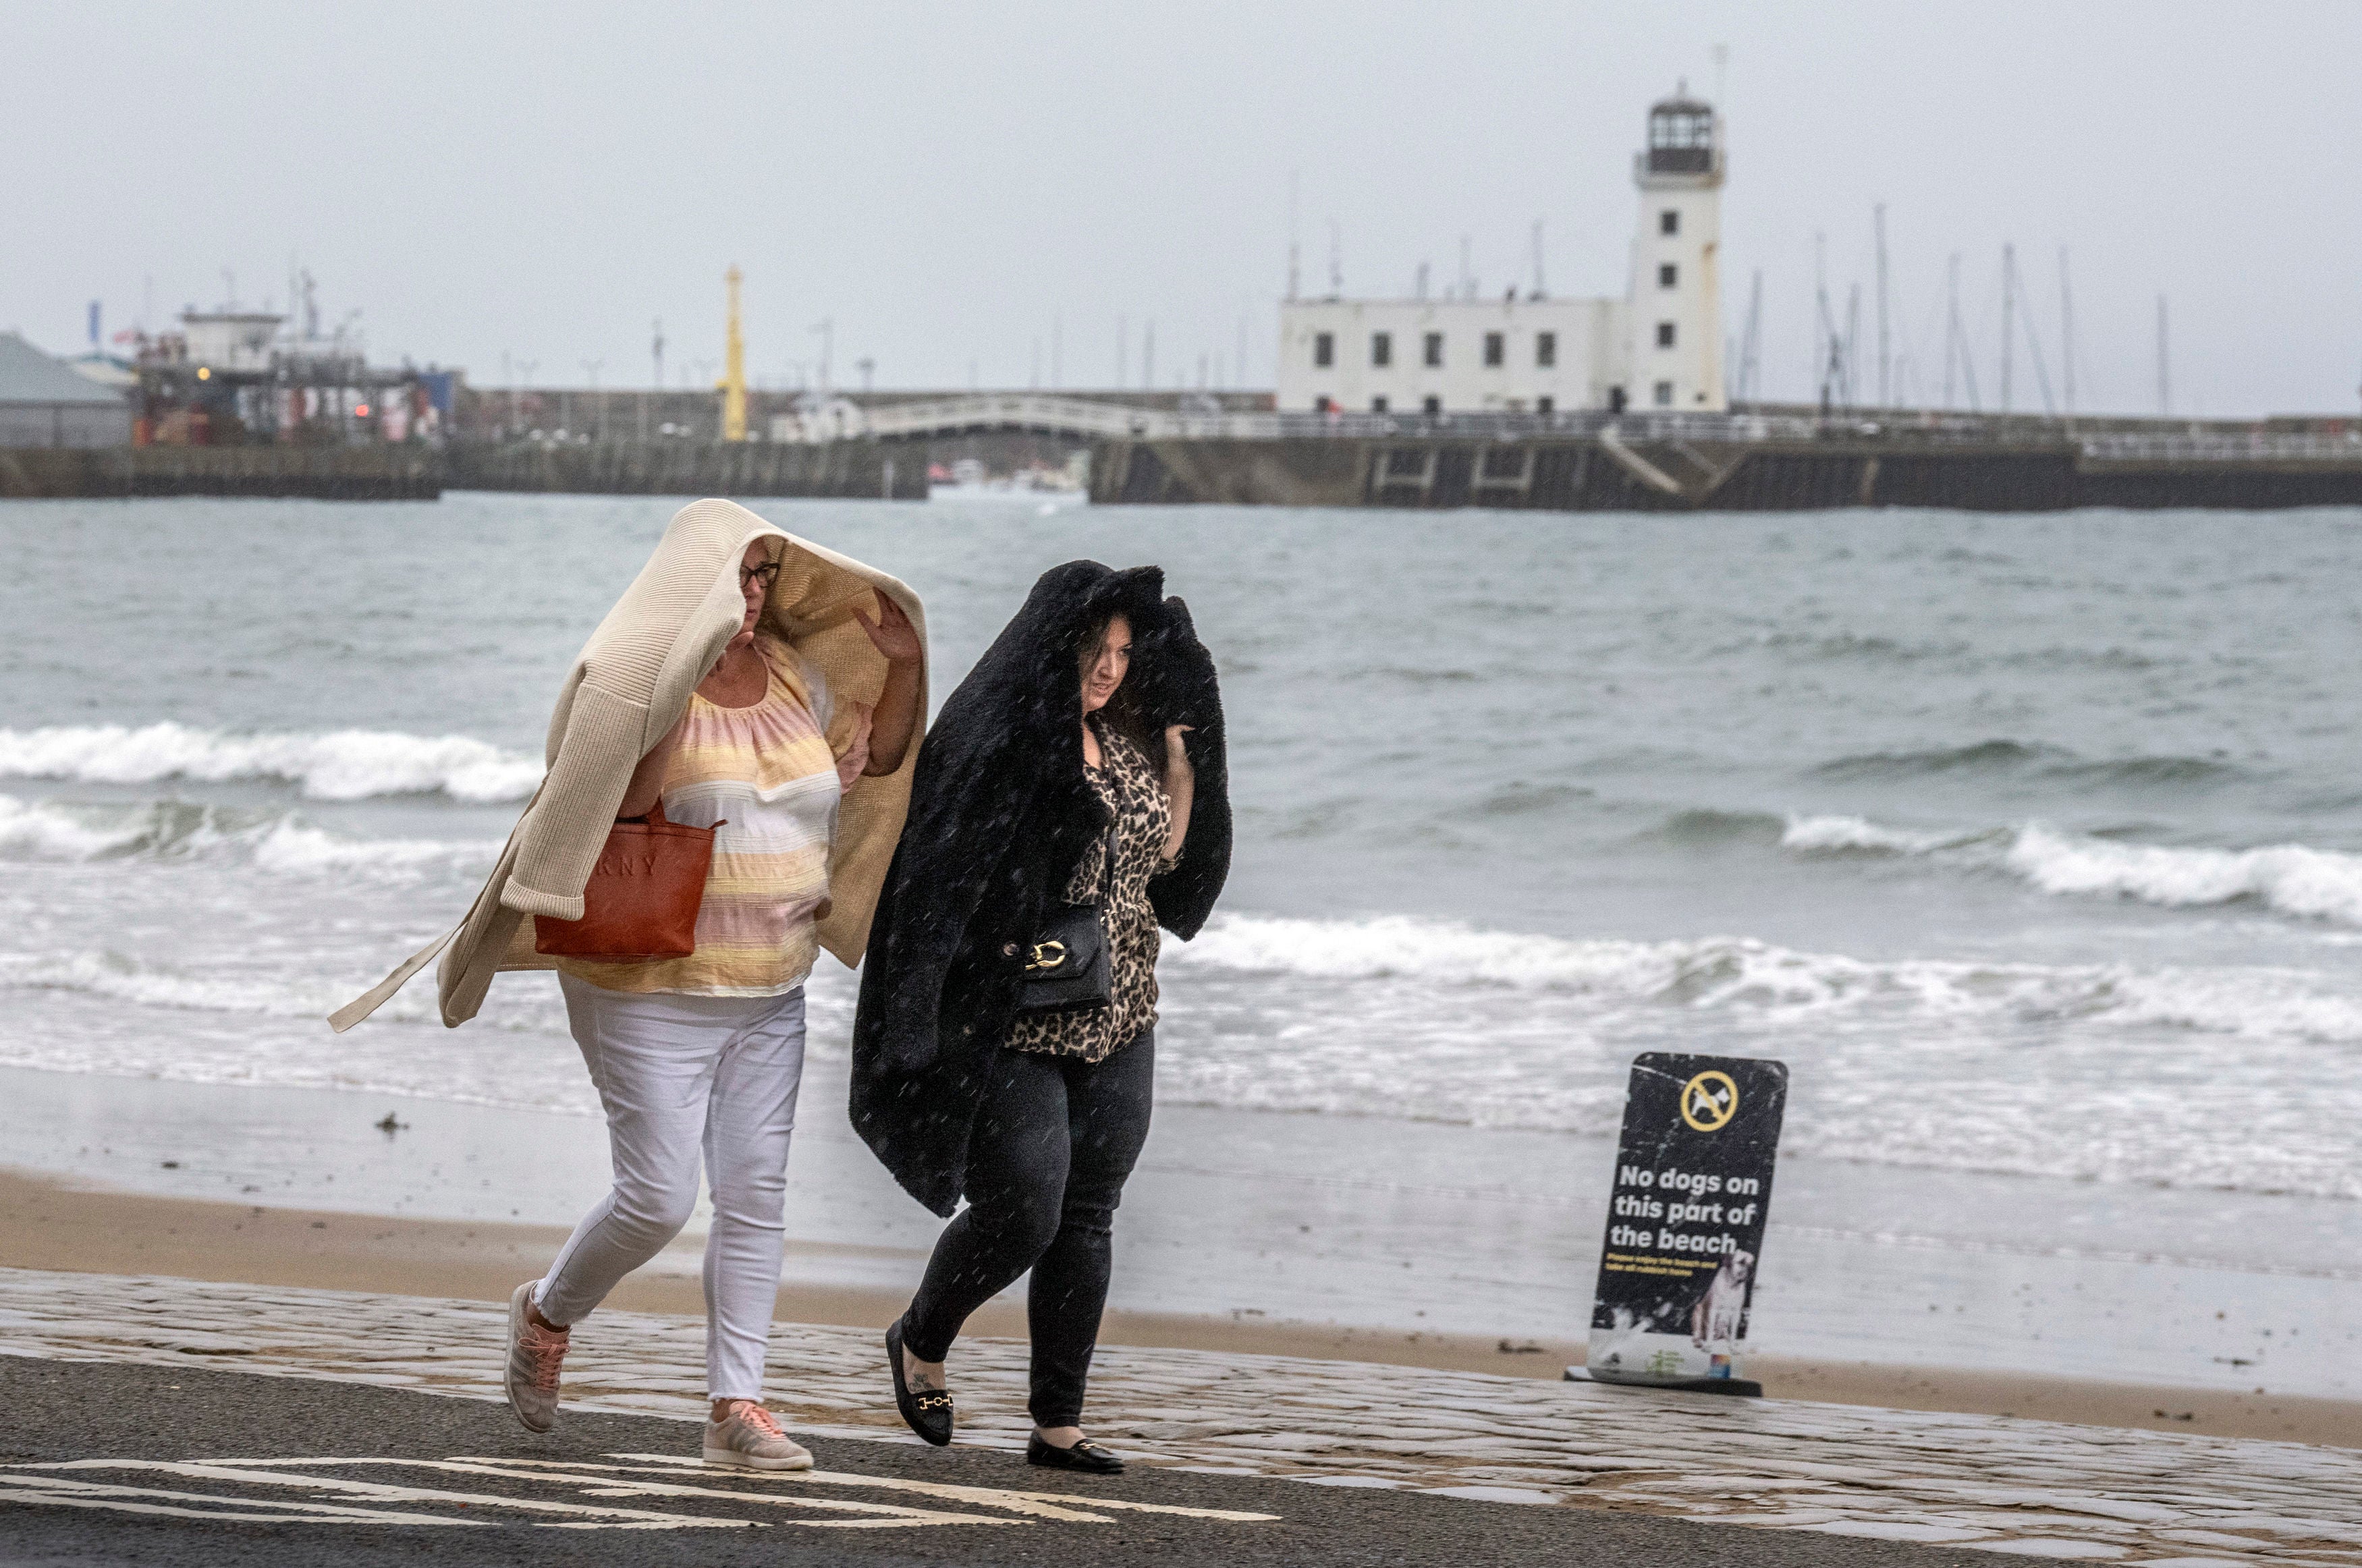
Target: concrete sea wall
[
  {"x": 855, "y": 469},
  {"x": 339, "y": 473},
  {"x": 870, "y": 469},
  {"x": 1591, "y": 473}
]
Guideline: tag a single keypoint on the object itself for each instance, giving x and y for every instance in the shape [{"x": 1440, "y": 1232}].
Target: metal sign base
[{"x": 1743, "y": 1388}]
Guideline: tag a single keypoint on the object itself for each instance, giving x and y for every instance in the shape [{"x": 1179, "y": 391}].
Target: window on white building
[
  {"x": 1377, "y": 405},
  {"x": 1670, "y": 221},
  {"x": 1664, "y": 394},
  {"x": 1668, "y": 275},
  {"x": 1381, "y": 350},
  {"x": 1546, "y": 349},
  {"x": 1545, "y": 404},
  {"x": 1664, "y": 334},
  {"x": 1496, "y": 350},
  {"x": 1431, "y": 406},
  {"x": 1434, "y": 353},
  {"x": 1324, "y": 349}
]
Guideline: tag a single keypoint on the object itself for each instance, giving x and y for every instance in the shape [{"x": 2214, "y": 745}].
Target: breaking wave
[
  {"x": 2207, "y": 1076},
  {"x": 2288, "y": 878},
  {"x": 173, "y": 831},
  {"x": 2314, "y": 883},
  {"x": 2198, "y": 1076},
  {"x": 340, "y": 764},
  {"x": 1745, "y": 978}
]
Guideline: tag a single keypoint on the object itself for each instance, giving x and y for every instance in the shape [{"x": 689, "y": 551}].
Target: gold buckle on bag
[{"x": 1047, "y": 956}]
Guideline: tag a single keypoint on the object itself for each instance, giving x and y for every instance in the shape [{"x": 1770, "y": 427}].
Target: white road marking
[
  {"x": 598, "y": 1483},
  {"x": 646, "y": 1475},
  {"x": 1048, "y": 1505},
  {"x": 573, "y": 1515},
  {"x": 64, "y": 1492}
]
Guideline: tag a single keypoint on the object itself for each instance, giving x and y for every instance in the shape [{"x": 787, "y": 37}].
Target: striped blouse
[{"x": 773, "y": 777}]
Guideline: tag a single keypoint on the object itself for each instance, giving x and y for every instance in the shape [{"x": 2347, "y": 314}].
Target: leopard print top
[{"x": 1133, "y": 792}]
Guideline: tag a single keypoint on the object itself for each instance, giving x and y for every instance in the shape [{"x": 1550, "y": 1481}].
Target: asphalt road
[{"x": 122, "y": 1464}]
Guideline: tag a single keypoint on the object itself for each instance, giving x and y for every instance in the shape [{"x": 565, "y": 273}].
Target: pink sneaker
[
  {"x": 748, "y": 1436},
  {"x": 536, "y": 1354}
]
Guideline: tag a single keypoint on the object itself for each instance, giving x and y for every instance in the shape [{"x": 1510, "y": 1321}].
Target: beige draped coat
[{"x": 628, "y": 688}]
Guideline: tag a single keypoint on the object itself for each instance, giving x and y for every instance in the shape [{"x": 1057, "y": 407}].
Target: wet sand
[{"x": 47, "y": 1225}]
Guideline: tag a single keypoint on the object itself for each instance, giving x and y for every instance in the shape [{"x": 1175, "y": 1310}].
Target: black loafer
[
  {"x": 1086, "y": 1456},
  {"x": 928, "y": 1411}
]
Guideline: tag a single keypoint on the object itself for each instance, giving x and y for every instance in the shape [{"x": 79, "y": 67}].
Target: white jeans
[{"x": 681, "y": 1074}]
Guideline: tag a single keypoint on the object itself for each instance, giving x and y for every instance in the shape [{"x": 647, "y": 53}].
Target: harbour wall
[
  {"x": 413, "y": 472},
  {"x": 858, "y": 469},
  {"x": 336, "y": 473},
  {"x": 1596, "y": 473}
]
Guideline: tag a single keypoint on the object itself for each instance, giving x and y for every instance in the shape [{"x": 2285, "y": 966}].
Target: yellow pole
[{"x": 733, "y": 372}]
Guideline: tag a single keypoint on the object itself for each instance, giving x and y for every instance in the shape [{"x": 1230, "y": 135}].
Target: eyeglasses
[{"x": 766, "y": 574}]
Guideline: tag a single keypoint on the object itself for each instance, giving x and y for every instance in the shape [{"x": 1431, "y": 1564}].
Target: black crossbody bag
[{"x": 1068, "y": 967}]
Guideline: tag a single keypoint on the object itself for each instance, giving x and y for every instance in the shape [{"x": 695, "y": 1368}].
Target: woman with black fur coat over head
[{"x": 1077, "y": 774}]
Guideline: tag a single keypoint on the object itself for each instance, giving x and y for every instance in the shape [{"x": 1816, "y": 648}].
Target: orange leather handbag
[{"x": 640, "y": 904}]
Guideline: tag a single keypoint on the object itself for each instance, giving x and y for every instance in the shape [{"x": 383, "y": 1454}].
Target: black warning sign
[{"x": 1686, "y": 1217}]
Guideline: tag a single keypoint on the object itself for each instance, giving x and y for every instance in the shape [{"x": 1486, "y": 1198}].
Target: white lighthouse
[
  {"x": 1469, "y": 352},
  {"x": 1676, "y": 302}
]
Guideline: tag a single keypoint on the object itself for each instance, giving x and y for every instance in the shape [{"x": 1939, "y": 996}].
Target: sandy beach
[{"x": 46, "y": 1224}]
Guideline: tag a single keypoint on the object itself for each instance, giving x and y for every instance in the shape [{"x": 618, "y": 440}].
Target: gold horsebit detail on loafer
[{"x": 931, "y": 1401}]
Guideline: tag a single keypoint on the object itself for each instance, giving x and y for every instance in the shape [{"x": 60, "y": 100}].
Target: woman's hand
[
  {"x": 896, "y": 718},
  {"x": 891, "y": 634},
  {"x": 1180, "y": 789}
]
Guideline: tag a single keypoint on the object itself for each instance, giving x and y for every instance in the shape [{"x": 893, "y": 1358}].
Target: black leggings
[{"x": 1055, "y": 1139}]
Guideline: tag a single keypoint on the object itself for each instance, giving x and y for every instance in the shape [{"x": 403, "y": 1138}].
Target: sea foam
[{"x": 339, "y": 765}]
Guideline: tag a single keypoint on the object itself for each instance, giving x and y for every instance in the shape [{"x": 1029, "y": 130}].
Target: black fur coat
[{"x": 1000, "y": 815}]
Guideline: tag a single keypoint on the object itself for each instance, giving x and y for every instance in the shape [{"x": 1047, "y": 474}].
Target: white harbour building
[{"x": 1658, "y": 347}]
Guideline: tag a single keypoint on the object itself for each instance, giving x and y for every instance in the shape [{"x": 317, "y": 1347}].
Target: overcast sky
[{"x": 953, "y": 185}]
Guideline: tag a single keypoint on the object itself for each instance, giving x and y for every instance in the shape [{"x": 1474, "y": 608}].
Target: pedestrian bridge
[{"x": 841, "y": 419}]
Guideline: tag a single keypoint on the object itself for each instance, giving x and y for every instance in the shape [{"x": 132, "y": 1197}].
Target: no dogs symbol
[{"x": 1709, "y": 1100}]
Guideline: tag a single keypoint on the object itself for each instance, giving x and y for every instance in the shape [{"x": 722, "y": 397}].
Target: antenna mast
[
  {"x": 2034, "y": 349},
  {"x": 2066, "y": 335},
  {"x": 1885, "y": 357},
  {"x": 2164, "y": 383},
  {"x": 1539, "y": 291},
  {"x": 1852, "y": 345},
  {"x": 2008, "y": 315},
  {"x": 1956, "y": 347},
  {"x": 1295, "y": 245},
  {"x": 1750, "y": 344}
]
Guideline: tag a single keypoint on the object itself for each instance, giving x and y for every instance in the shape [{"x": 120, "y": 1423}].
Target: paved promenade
[{"x": 1955, "y": 1481}]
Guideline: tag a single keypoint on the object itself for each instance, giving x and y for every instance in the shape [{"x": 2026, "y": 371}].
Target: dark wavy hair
[{"x": 1124, "y": 709}]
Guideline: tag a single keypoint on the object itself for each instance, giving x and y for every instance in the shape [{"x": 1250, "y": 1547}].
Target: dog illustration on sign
[{"x": 1720, "y": 1315}]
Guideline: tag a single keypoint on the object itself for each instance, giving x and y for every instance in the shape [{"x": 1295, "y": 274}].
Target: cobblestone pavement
[{"x": 2034, "y": 1487}]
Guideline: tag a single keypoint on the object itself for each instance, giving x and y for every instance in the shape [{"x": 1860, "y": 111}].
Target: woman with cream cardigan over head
[{"x": 771, "y": 691}]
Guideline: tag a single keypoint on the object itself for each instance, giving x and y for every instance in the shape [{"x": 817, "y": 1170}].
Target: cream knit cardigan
[{"x": 628, "y": 688}]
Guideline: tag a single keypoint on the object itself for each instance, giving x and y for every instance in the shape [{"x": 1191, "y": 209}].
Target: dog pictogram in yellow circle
[{"x": 1709, "y": 1100}]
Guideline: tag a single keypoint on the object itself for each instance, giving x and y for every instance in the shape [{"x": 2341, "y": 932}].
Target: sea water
[{"x": 2032, "y": 844}]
